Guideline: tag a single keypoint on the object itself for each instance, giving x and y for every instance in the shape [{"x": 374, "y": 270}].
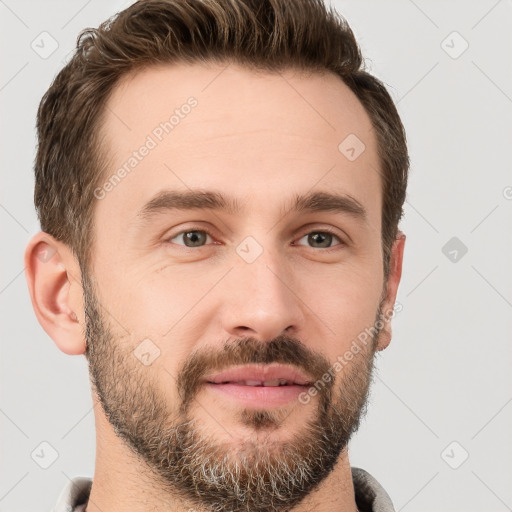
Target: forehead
[{"x": 260, "y": 135}]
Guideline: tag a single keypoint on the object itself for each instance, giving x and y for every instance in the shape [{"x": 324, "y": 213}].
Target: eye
[
  {"x": 322, "y": 239},
  {"x": 199, "y": 238},
  {"x": 191, "y": 237}
]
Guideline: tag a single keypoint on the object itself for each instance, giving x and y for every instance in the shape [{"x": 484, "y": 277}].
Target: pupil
[
  {"x": 320, "y": 237},
  {"x": 194, "y": 237}
]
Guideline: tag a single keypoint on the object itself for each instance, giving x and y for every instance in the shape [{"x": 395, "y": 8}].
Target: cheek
[
  {"x": 173, "y": 306},
  {"x": 165, "y": 307},
  {"x": 347, "y": 305}
]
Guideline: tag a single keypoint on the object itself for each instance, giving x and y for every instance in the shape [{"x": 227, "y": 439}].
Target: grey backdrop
[{"x": 437, "y": 435}]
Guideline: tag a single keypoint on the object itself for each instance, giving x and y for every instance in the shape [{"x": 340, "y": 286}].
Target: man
[{"x": 219, "y": 186}]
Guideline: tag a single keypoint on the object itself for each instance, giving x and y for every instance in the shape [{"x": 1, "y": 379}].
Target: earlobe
[
  {"x": 395, "y": 274},
  {"x": 52, "y": 275}
]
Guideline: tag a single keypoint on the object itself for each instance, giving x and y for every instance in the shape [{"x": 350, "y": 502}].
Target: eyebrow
[{"x": 168, "y": 200}]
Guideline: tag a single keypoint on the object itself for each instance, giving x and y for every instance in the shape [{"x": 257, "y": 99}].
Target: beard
[{"x": 185, "y": 460}]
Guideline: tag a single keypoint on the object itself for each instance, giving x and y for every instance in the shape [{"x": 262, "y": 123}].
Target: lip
[
  {"x": 258, "y": 397},
  {"x": 260, "y": 373},
  {"x": 228, "y": 384}
]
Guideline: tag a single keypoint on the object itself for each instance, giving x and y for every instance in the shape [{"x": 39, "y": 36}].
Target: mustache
[{"x": 283, "y": 349}]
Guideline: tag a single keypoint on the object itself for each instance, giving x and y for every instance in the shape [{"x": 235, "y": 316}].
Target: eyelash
[{"x": 203, "y": 230}]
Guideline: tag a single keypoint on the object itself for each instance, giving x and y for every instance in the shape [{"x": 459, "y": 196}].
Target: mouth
[
  {"x": 267, "y": 383},
  {"x": 263, "y": 386},
  {"x": 261, "y": 375}
]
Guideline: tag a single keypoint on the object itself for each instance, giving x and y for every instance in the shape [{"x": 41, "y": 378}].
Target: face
[{"x": 236, "y": 261}]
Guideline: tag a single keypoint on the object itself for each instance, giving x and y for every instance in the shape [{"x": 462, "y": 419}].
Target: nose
[{"x": 259, "y": 299}]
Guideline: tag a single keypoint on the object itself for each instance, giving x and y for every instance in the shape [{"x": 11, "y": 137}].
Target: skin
[{"x": 261, "y": 139}]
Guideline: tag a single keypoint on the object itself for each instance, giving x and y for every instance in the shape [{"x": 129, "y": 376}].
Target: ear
[
  {"x": 391, "y": 288},
  {"x": 54, "y": 283}
]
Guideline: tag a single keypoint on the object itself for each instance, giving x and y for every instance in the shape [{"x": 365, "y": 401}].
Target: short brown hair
[{"x": 271, "y": 35}]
